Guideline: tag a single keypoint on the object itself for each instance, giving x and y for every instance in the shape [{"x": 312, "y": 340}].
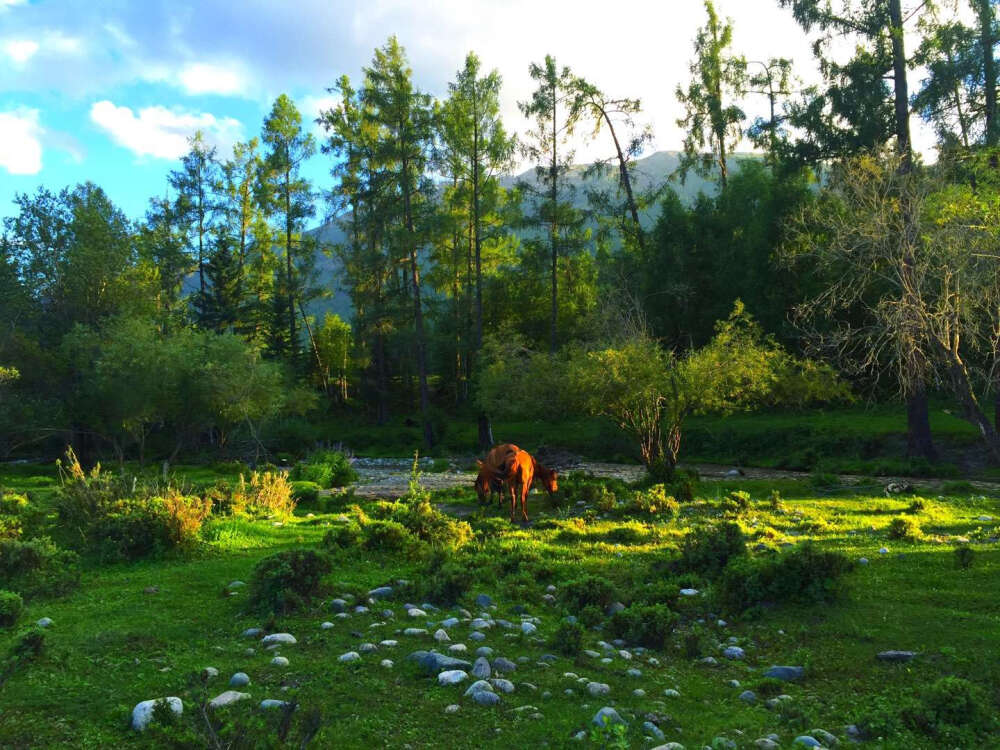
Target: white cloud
[
  {"x": 4, "y": 4},
  {"x": 160, "y": 132},
  {"x": 19, "y": 50},
  {"x": 312, "y": 106},
  {"x": 202, "y": 78},
  {"x": 20, "y": 141}
]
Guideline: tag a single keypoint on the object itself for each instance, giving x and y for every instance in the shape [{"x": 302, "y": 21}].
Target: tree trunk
[
  {"x": 485, "y": 432},
  {"x": 554, "y": 199},
  {"x": 418, "y": 312},
  {"x": 626, "y": 181},
  {"x": 919, "y": 442},
  {"x": 476, "y": 231},
  {"x": 984, "y": 10}
]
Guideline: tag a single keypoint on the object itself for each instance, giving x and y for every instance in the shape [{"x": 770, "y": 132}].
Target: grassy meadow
[{"x": 142, "y": 630}]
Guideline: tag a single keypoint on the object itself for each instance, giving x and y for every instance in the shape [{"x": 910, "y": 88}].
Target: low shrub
[
  {"x": 645, "y": 625},
  {"x": 133, "y": 529},
  {"x": 950, "y": 700},
  {"x": 957, "y": 488},
  {"x": 964, "y": 557},
  {"x": 775, "y": 502},
  {"x": 37, "y": 567},
  {"x": 325, "y": 468},
  {"x": 587, "y": 591},
  {"x": 13, "y": 505},
  {"x": 657, "y": 592},
  {"x": 388, "y": 536},
  {"x": 268, "y": 494},
  {"x": 684, "y": 486},
  {"x": 27, "y": 646},
  {"x": 605, "y": 500},
  {"x": 445, "y": 581},
  {"x": 736, "y": 503},
  {"x": 287, "y": 581},
  {"x": 709, "y": 549},
  {"x": 654, "y": 500},
  {"x": 805, "y": 573},
  {"x": 432, "y": 526},
  {"x": 343, "y": 537},
  {"x": 11, "y": 608},
  {"x": 567, "y": 638},
  {"x": 904, "y": 529},
  {"x": 919, "y": 505},
  {"x": 305, "y": 493},
  {"x": 626, "y": 535}
]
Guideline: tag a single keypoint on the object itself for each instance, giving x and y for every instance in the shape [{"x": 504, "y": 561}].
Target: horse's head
[{"x": 549, "y": 477}]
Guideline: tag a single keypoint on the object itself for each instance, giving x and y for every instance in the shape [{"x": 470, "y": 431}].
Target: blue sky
[{"x": 109, "y": 90}]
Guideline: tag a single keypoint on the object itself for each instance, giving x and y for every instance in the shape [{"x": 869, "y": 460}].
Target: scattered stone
[
  {"x": 232, "y": 585},
  {"x": 278, "y": 638},
  {"x": 723, "y": 743},
  {"x": 367, "y": 648},
  {"x": 240, "y": 679},
  {"x": 457, "y": 648},
  {"x": 386, "y": 663},
  {"x": 735, "y": 653},
  {"x": 432, "y": 662},
  {"x": 748, "y": 697},
  {"x": 806, "y": 741},
  {"x": 639, "y": 693},
  {"x": 689, "y": 592},
  {"x": 883, "y": 551},
  {"x": 349, "y": 657},
  {"x": 481, "y": 668},
  {"x": 415, "y": 631},
  {"x": 477, "y": 636},
  {"x": 528, "y": 628},
  {"x": 227, "y": 698},
  {"x": 598, "y": 688},
  {"x": 416, "y": 612},
  {"x": 606, "y": 717},
  {"x": 142, "y": 714},
  {"x": 478, "y": 685},
  {"x": 450, "y": 622},
  {"x": 615, "y": 608},
  {"x": 452, "y": 677},
  {"x": 671, "y": 693},
  {"x": 633, "y": 672},
  {"x": 251, "y": 633},
  {"x": 788, "y": 674},
  {"x": 482, "y": 600},
  {"x": 484, "y": 651},
  {"x": 500, "y": 664},
  {"x": 486, "y": 698},
  {"x": 670, "y": 746},
  {"x": 766, "y": 743},
  {"x": 454, "y": 708},
  {"x": 388, "y": 644},
  {"x": 270, "y": 703},
  {"x": 592, "y": 654},
  {"x": 896, "y": 656},
  {"x": 501, "y": 685},
  {"x": 825, "y": 738},
  {"x": 279, "y": 661},
  {"x": 326, "y": 625},
  {"x": 863, "y": 561},
  {"x": 382, "y": 592},
  {"x": 653, "y": 731},
  {"x": 710, "y": 661},
  {"x": 209, "y": 673},
  {"x": 151, "y": 590},
  {"x": 733, "y": 683},
  {"x": 441, "y": 635}
]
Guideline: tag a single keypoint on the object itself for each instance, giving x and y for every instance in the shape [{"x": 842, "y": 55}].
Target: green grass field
[{"x": 112, "y": 644}]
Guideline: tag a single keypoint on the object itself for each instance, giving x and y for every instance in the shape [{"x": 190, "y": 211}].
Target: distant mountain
[{"x": 649, "y": 172}]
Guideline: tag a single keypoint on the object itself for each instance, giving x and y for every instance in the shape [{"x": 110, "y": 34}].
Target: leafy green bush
[
  {"x": 949, "y": 701},
  {"x": 656, "y": 592},
  {"x": 445, "y": 581},
  {"x": 325, "y": 468},
  {"x": 736, "y": 503},
  {"x": 684, "y": 485},
  {"x": 389, "y": 536},
  {"x": 132, "y": 529},
  {"x": 432, "y": 526},
  {"x": 626, "y": 535},
  {"x": 11, "y": 608},
  {"x": 343, "y": 537},
  {"x": 904, "y": 529},
  {"x": 709, "y": 549},
  {"x": 37, "y": 566},
  {"x": 13, "y": 505},
  {"x": 567, "y": 638},
  {"x": 806, "y": 574},
  {"x": 587, "y": 591},
  {"x": 653, "y": 501},
  {"x": 305, "y": 493},
  {"x": 27, "y": 646},
  {"x": 646, "y": 625},
  {"x": 287, "y": 581}
]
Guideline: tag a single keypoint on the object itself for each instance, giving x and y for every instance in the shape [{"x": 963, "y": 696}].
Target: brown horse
[
  {"x": 521, "y": 473},
  {"x": 493, "y": 471}
]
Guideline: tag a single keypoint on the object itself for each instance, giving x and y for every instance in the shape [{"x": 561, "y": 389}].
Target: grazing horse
[
  {"x": 521, "y": 473},
  {"x": 493, "y": 471}
]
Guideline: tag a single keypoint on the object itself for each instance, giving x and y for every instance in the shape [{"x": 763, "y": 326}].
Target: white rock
[
  {"x": 142, "y": 714},
  {"x": 227, "y": 698},
  {"x": 528, "y": 628},
  {"x": 44, "y": 622},
  {"x": 387, "y": 663},
  {"x": 452, "y": 709},
  {"x": 279, "y": 661},
  {"x": 689, "y": 592},
  {"x": 349, "y": 656},
  {"x": 452, "y": 677},
  {"x": 441, "y": 636},
  {"x": 269, "y": 703},
  {"x": 598, "y": 688},
  {"x": 278, "y": 638}
]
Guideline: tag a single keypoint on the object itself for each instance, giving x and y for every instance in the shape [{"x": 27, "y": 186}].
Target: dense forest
[{"x": 830, "y": 262}]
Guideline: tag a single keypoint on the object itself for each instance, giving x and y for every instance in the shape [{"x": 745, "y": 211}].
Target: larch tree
[
  {"x": 713, "y": 121},
  {"x": 288, "y": 197}
]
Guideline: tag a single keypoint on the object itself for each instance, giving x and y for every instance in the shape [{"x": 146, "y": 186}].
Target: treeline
[{"x": 192, "y": 325}]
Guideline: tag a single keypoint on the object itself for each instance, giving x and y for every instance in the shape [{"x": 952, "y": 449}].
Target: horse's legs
[
  {"x": 524, "y": 500},
  {"x": 513, "y": 502}
]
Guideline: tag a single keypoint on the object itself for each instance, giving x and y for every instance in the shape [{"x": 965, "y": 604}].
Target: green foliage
[
  {"x": 287, "y": 581},
  {"x": 709, "y": 549},
  {"x": 949, "y": 701},
  {"x": 904, "y": 529},
  {"x": 736, "y": 503},
  {"x": 567, "y": 638},
  {"x": 644, "y": 625},
  {"x": 389, "y": 536},
  {"x": 268, "y": 494},
  {"x": 25, "y": 648},
  {"x": 964, "y": 556},
  {"x": 343, "y": 537},
  {"x": 803, "y": 574},
  {"x": 654, "y": 501},
  {"x": 37, "y": 567},
  {"x": 325, "y": 468},
  {"x": 589, "y": 590},
  {"x": 305, "y": 493},
  {"x": 445, "y": 580},
  {"x": 11, "y": 608}
]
